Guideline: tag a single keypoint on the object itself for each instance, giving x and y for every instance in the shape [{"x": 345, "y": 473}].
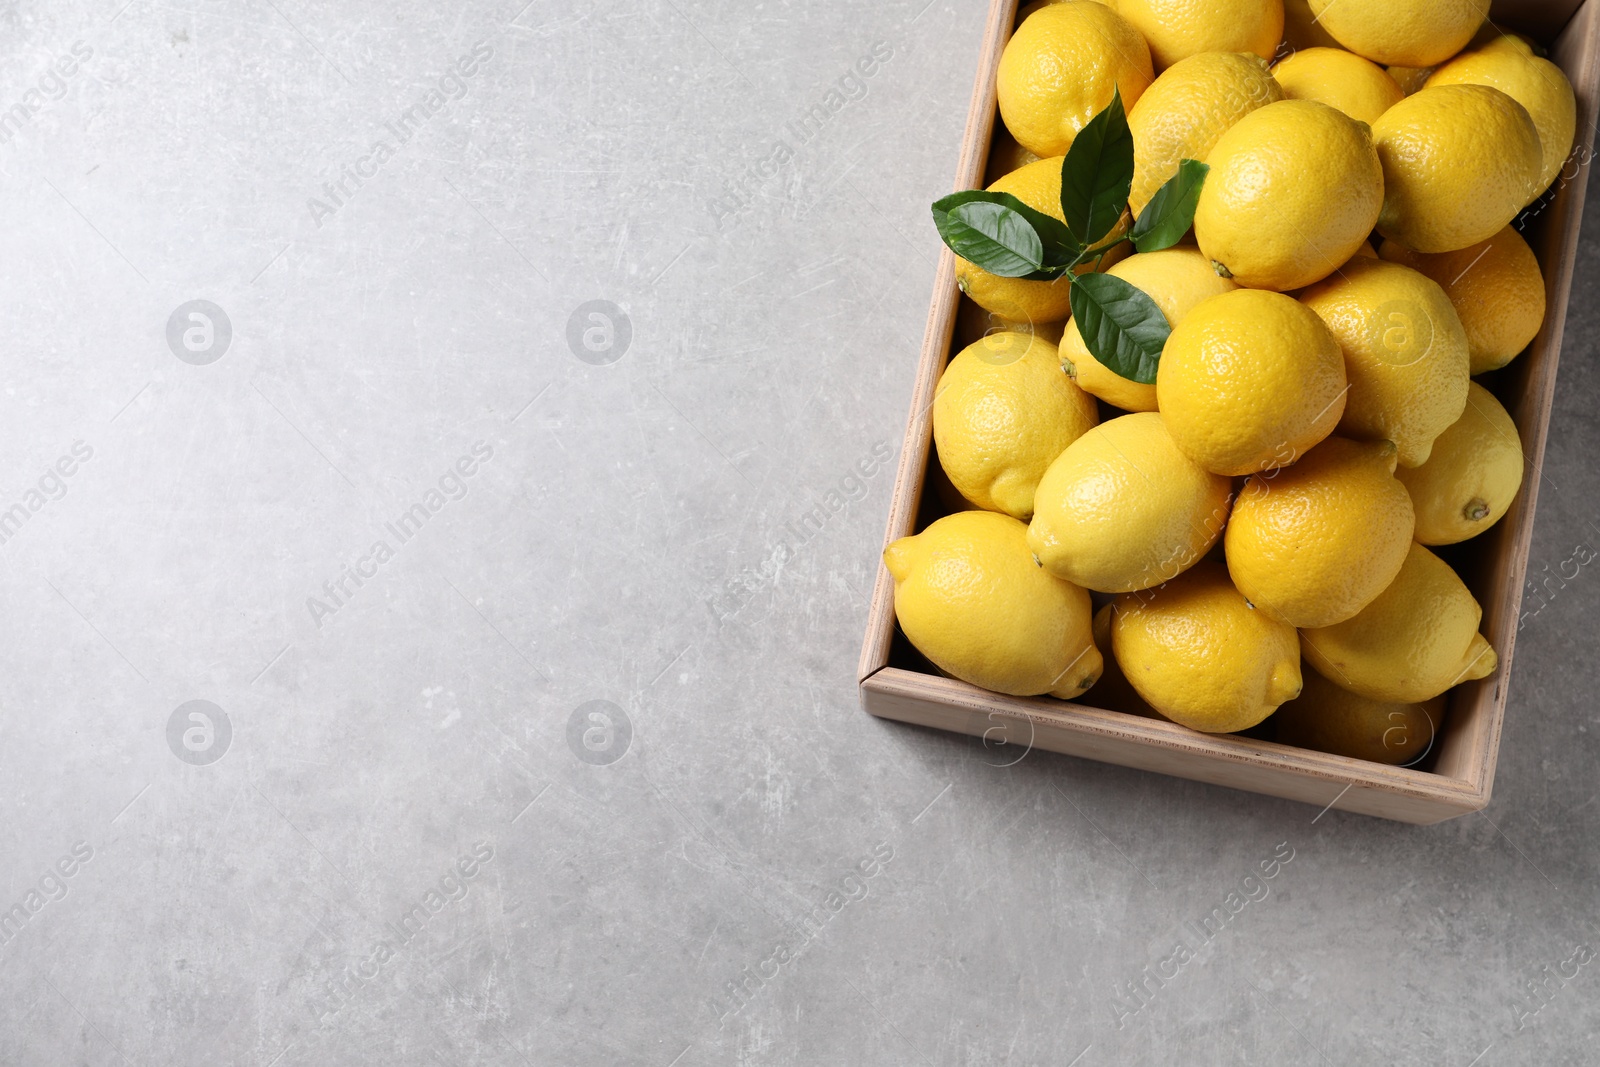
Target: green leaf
[
  {"x": 1170, "y": 213},
  {"x": 1097, "y": 174},
  {"x": 1120, "y": 325},
  {"x": 995, "y": 237},
  {"x": 1060, "y": 250}
]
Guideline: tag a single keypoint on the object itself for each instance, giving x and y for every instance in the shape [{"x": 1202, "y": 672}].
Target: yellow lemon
[
  {"x": 1002, "y": 411},
  {"x": 1314, "y": 543},
  {"x": 1177, "y": 279},
  {"x": 1472, "y": 476},
  {"x": 1250, "y": 380},
  {"x": 1410, "y": 79},
  {"x": 1301, "y": 30},
  {"x": 1405, "y": 353},
  {"x": 1326, "y": 718},
  {"x": 1113, "y": 691},
  {"x": 1496, "y": 288},
  {"x": 1417, "y": 639},
  {"x": 1459, "y": 162},
  {"x": 1178, "y": 29},
  {"x": 972, "y": 600},
  {"x": 1410, "y": 33},
  {"x": 1187, "y": 109},
  {"x": 1038, "y": 185},
  {"x": 1060, "y": 69},
  {"x": 1199, "y": 654},
  {"x": 1508, "y": 64},
  {"x": 1358, "y": 87},
  {"x": 1123, "y": 509},
  {"x": 1294, "y": 189}
]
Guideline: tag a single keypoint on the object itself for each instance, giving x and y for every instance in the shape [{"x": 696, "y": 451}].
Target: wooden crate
[{"x": 897, "y": 684}]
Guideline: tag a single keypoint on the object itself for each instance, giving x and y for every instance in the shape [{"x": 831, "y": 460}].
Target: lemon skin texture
[
  {"x": 1002, "y": 411},
  {"x": 1326, "y": 718},
  {"x": 1178, "y": 279},
  {"x": 1471, "y": 477},
  {"x": 1496, "y": 288},
  {"x": 1294, "y": 189},
  {"x": 1250, "y": 381},
  {"x": 1416, "y": 640},
  {"x": 1316, "y": 542},
  {"x": 969, "y": 596},
  {"x": 1405, "y": 353},
  {"x": 1459, "y": 162},
  {"x": 1406, "y": 33},
  {"x": 1358, "y": 87},
  {"x": 1507, "y": 63},
  {"x": 1187, "y": 109},
  {"x": 1123, "y": 509},
  {"x": 1199, "y": 654},
  {"x": 1061, "y": 68}
]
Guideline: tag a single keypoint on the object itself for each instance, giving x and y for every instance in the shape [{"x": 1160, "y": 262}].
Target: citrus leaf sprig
[{"x": 1121, "y": 326}]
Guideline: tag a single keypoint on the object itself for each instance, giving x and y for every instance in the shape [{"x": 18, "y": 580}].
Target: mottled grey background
[{"x": 422, "y": 842}]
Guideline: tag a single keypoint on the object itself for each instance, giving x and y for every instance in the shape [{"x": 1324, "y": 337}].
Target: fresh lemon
[
  {"x": 1199, "y": 654},
  {"x": 1177, "y": 279},
  {"x": 1123, "y": 509},
  {"x": 1294, "y": 188},
  {"x": 1417, "y": 639},
  {"x": 1459, "y": 162},
  {"x": 1472, "y": 476},
  {"x": 1250, "y": 380},
  {"x": 1405, "y": 353},
  {"x": 1187, "y": 109},
  {"x": 1113, "y": 691},
  {"x": 1496, "y": 288},
  {"x": 1358, "y": 87},
  {"x": 1060, "y": 69},
  {"x": 1508, "y": 64},
  {"x": 1178, "y": 29},
  {"x": 1038, "y": 185},
  {"x": 1410, "y": 33},
  {"x": 1316, "y": 542},
  {"x": 1326, "y": 718},
  {"x": 970, "y": 598},
  {"x": 1301, "y": 30},
  {"x": 1002, "y": 411},
  {"x": 1410, "y": 79}
]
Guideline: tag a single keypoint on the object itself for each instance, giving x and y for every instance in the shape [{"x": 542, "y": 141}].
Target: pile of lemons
[{"x": 1259, "y": 516}]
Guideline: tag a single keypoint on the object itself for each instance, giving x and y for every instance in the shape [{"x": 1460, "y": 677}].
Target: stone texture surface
[{"x": 420, "y": 845}]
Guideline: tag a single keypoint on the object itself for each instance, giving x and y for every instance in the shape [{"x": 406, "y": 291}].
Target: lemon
[
  {"x": 1508, "y": 64},
  {"x": 1177, "y": 279},
  {"x": 1038, "y": 185},
  {"x": 1495, "y": 287},
  {"x": 1405, "y": 353},
  {"x": 1294, "y": 188},
  {"x": 1327, "y": 718},
  {"x": 972, "y": 600},
  {"x": 1358, "y": 87},
  {"x": 1410, "y": 79},
  {"x": 1459, "y": 162},
  {"x": 1187, "y": 109},
  {"x": 1249, "y": 381},
  {"x": 1178, "y": 29},
  {"x": 1301, "y": 30},
  {"x": 1410, "y": 33},
  {"x": 1123, "y": 509},
  {"x": 1417, "y": 639},
  {"x": 1314, "y": 543},
  {"x": 1472, "y": 476},
  {"x": 1113, "y": 691},
  {"x": 1199, "y": 654},
  {"x": 1060, "y": 69},
  {"x": 1002, "y": 411}
]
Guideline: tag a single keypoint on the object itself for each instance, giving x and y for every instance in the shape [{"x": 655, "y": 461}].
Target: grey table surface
[{"x": 399, "y": 503}]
